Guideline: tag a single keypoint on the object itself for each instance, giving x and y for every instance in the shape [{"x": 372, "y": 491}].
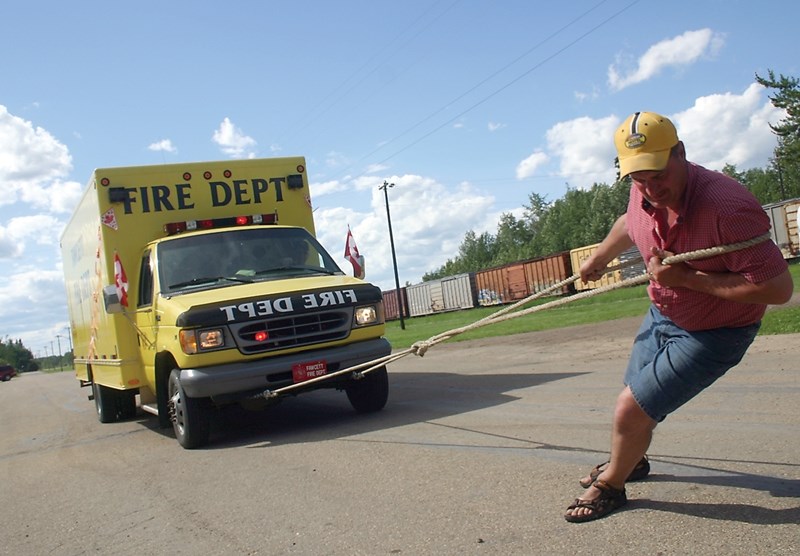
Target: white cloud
[
  {"x": 585, "y": 149},
  {"x": 376, "y": 168},
  {"x": 679, "y": 51},
  {"x": 233, "y": 141},
  {"x": 528, "y": 167},
  {"x": 429, "y": 221},
  {"x": 165, "y": 145},
  {"x": 43, "y": 229},
  {"x": 729, "y": 128},
  {"x": 719, "y": 129},
  {"x": 30, "y": 159},
  {"x": 27, "y": 300},
  {"x": 493, "y": 126},
  {"x": 327, "y": 187}
]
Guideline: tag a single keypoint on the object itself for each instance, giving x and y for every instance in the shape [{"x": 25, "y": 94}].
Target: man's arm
[
  {"x": 614, "y": 243},
  {"x": 727, "y": 285}
]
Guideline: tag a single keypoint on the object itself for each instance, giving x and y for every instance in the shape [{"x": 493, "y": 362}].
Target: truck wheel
[
  {"x": 190, "y": 416},
  {"x": 126, "y": 404},
  {"x": 370, "y": 393},
  {"x": 105, "y": 402}
]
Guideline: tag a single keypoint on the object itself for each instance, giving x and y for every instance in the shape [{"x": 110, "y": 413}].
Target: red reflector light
[
  {"x": 187, "y": 176},
  {"x": 261, "y": 336},
  {"x": 105, "y": 182},
  {"x": 205, "y": 224},
  {"x": 242, "y": 220},
  {"x": 300, "y": 168},
  {"x": 174, "y": 228},
  {"x": 227, "y": 173},
  {"x": 207, "y": 175}
]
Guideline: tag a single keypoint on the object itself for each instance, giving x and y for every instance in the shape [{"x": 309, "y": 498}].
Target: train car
[
  {"x": 580, "y": 254},
  {"x": 785, "y": 219},
  {"x": 515, "y": 281},
  {"x": 545, "y": 272},
  {"x": 391, "y": 309},
  {"x": 447, "y": 294}
]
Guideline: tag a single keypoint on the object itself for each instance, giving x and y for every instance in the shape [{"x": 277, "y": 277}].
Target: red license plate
[{"x": 308, "y": 370}]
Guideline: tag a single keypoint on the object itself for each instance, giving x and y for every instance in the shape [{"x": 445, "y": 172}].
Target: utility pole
[
  {"x": 60, "y": 357},
  {"x": 386, "y": 185}
]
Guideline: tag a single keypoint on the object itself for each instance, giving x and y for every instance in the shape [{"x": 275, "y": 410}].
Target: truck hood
[{"x": 260, "y": 300}]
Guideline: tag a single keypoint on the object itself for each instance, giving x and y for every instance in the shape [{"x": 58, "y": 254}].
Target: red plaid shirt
[{"x": 717, "y": 210}]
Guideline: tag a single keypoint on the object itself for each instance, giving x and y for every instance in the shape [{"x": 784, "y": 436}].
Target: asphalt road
[{"x": 477, "y": 452}]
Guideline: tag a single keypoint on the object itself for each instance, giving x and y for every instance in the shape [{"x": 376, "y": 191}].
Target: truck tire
[
  {"x": 191, "y": 419},
  {"x": 126, "y": 404},
  {"x": 370, "y": 393},
  {"x": 105, "y": 401}
]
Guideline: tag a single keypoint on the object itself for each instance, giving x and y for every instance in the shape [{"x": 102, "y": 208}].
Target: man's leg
[{"x": 630, "y": 438}]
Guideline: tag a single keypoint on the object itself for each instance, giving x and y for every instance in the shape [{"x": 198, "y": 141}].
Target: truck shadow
[{"x": 326, "y": 414}]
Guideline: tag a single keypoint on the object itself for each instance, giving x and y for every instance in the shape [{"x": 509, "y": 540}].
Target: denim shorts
[{"x": 669, "y": 365}]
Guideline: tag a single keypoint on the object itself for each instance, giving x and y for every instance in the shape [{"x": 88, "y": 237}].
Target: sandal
[
  {"x": 609, "y": 500},
  {"x": 641, "y": 471}
]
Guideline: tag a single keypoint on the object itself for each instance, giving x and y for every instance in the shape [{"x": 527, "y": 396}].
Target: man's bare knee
[{"x": 628, "y": 416}]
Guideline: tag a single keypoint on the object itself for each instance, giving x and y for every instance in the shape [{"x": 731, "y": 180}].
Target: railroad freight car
[
  {"x": 785, "y": 218},
  {"x": 580, "y": 254},
  {"x": 515, "y": 281},
  {"x": 391, "y": 309},
  {"x": 447, "y": 294}
]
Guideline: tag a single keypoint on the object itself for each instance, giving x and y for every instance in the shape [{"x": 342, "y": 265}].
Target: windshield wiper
[
  {"x": 284, "y": 268},
  {"x": 209, "y": 280}
]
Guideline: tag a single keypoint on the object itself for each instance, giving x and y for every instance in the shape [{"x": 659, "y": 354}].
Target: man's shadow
[{"x": 745, "y": 513}]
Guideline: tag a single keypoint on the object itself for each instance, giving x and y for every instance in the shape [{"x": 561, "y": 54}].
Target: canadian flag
[
  {"x": 351, "y": 254},
  {"x": 121, "y": 280}
]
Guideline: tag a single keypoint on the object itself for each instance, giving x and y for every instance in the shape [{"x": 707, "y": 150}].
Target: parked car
[{"x": 6, "y": 372}]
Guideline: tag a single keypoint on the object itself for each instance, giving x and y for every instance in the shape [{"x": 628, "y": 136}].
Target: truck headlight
[
  {"x": 193, "y": 341},
  {"x": 367, "y": 314}
]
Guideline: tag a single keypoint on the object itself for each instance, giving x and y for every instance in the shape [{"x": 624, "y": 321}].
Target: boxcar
[
  {"x": 580, "y": 254},
  {"x": 785, "y": 219},
  {"x": 391, "y": 309},
  {"x": 447, "y": 294},
  {"x": 515, "y": 281}
]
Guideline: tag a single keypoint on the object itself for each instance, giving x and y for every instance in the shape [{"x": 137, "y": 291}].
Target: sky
[{"x": 466, "y": 106}]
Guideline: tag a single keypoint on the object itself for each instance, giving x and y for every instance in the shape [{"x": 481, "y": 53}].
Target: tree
[
  {"x": 786, "y": 162},
  {"x": 17, "y": 355}
]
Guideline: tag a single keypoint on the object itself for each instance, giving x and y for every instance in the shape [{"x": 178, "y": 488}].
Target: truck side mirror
[
  {"x": 111, "y": 300},
  {"x": 363, "y": 268}
]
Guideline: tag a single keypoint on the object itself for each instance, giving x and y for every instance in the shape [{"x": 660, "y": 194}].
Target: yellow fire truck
[{"x": 193, "y": 286}]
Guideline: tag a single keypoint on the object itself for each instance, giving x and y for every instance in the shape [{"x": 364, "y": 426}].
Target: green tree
[
  {"x": 786, "y": 162},
  {"x": 17, "y": 355}
]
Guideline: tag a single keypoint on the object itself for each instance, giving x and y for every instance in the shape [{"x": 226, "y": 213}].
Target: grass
[{"x": 616, "y": 304}]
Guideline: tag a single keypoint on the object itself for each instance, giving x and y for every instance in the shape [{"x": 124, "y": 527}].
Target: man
[{"x": 704, "y": 314}]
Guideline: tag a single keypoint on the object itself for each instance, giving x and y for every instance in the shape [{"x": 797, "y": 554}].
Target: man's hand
[{"x": 673, "y": 275}]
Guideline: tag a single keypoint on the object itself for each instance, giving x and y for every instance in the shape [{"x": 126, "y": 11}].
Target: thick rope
[{"x": 504, "y": 314}]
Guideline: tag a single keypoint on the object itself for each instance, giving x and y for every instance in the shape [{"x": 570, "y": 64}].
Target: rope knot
[{"x": 419, "y": 348}]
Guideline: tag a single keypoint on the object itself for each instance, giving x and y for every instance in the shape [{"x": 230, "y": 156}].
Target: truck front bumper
[{"x": 274, "y": 372}]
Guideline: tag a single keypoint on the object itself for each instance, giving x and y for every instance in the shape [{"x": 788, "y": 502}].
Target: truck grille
[{"x": 293, "y": 331}]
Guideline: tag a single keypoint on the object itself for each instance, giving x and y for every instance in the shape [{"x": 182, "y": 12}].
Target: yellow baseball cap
[{"x": 643, "y": 142}]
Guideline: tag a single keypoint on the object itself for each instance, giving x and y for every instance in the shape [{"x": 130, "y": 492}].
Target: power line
[
  {"x": 311, "y": 119},
  {"x": 504, "y": 87}
]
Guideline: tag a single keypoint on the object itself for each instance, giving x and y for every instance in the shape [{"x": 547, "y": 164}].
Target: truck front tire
[
  {"x": 370, "y": 393},
  {"x": 191, "y": 419}
]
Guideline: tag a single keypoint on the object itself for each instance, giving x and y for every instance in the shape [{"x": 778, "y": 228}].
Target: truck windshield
[{"x": 216, "y": 259}]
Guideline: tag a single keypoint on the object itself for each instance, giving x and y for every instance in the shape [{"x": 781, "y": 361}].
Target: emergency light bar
[{"x": 211, "y": 223}]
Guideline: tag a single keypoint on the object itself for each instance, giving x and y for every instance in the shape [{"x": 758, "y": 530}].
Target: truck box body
[{"x": 210, "y": 272}]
